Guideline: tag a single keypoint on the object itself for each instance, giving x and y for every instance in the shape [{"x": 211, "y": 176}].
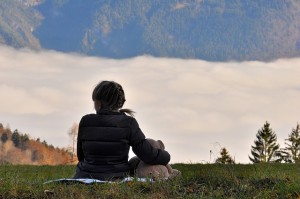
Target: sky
[{"x": 193, "y": 106}]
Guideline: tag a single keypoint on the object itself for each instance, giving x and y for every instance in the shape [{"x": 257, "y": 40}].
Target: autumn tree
[
  {"x": 8, "y": 131},
  {"x": 73, "y": 132},
  {"x": 225, "y": 158},
  {"x": 265, "y": 147},
  {"x": 1, "y": 128}
]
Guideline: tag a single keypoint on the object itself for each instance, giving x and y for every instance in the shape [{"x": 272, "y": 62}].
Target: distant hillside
[
  {"x": 17, "y": 23},
  {"x": 18, "y": 148},
  {"x": 215, "y": 30}
]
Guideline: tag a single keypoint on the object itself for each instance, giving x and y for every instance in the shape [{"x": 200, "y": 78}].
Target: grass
[{"x": 197, "y": 181}]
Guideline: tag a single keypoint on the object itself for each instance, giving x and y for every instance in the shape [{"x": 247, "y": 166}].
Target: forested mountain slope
[{"x": 214, "y": 30}]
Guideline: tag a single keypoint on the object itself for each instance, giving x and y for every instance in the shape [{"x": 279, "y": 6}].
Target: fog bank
[{"x": 194, "y": 106}]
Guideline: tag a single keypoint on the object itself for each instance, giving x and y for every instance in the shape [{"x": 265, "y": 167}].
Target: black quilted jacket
[{"x": 103, "y": 145}]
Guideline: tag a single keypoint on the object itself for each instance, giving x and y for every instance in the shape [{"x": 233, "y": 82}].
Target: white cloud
[
  {"x": 16, "y": 100},
  {"x": 189, "y": 104}
]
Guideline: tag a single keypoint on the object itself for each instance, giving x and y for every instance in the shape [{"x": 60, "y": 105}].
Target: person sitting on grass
[{"x": 104, "y": 138}]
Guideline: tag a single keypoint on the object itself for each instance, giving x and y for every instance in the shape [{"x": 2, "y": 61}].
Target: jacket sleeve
[
  {"x": 143, "y": 149},
  {"x": 80, "y": 154}
]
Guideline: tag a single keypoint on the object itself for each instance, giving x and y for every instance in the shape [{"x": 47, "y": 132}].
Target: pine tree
[
  {"x": 15, "y": 137},
  {"x": 225, "y": 157},
  {"x": 293, "y": 147},
  {"x": 24, "y": 139},
  {"x": 266, "y": 147},
  {"x": 4, "y": 137}
]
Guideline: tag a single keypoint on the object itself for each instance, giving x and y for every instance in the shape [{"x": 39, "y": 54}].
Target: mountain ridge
[{"x": 210, "y": 30}]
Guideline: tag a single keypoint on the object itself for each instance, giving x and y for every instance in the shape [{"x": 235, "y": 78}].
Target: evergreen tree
[
  {"x": 45, "y": 143},
  {"x": 225, "y": 157},
  {"x": 266, "y": 147},
  {"x": 15, "y": 137},
  {"x": 4, "y": 137},
  {"x": 293, "y": 145},
  {"x": 24, "y": 139}
]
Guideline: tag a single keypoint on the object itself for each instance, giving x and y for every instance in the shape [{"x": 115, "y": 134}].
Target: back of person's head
[{"x": 111, "y": 96}]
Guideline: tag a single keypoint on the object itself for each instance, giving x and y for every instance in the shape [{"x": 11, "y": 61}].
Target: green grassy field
[{"x": 197, "y": 181}]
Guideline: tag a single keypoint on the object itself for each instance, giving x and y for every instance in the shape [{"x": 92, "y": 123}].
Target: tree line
[
  {"x": 19, "y": 148},
  {"x": 266, "y": 149}
]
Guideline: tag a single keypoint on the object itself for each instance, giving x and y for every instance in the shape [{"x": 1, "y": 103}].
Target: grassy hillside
[{"x": 197, "y": 181}]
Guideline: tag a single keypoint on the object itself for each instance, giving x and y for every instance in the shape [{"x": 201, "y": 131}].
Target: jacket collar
[{"x": 108, "y": 112}]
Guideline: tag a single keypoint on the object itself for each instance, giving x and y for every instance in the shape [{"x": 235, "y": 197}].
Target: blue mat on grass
[{"x": 93, "y": 181}]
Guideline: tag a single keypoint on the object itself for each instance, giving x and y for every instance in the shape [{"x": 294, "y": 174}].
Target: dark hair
[{"x": 111, "y": 96}]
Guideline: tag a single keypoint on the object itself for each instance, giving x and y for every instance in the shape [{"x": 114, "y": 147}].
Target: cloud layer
[{"x": 192, "y": 105}]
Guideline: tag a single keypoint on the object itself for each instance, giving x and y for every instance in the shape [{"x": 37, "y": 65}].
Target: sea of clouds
[{"x": 194, "y": 106}]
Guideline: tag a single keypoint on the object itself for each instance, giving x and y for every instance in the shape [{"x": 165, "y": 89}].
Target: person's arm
[
  {"x": 80, "y": 154},
  {"x": 143, "y": 149}
]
